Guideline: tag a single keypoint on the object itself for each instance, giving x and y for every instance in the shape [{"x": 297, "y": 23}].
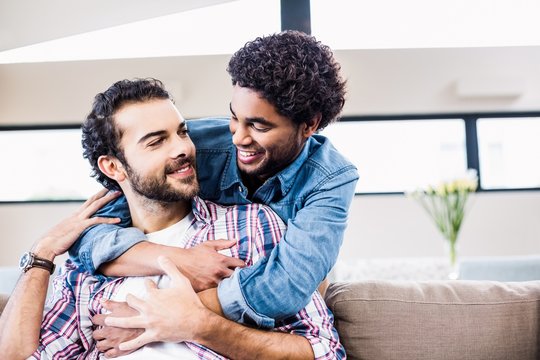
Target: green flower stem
[{"x": 452, "y": 251}]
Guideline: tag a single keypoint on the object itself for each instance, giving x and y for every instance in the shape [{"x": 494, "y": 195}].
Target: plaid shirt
[{"x": 66, "y": 330}]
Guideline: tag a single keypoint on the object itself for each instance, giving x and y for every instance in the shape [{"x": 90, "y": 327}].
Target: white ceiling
[{"x": 26, "y": 22}]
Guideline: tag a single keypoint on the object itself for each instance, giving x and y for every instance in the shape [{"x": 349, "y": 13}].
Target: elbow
[
  {"x": 27, "y": 350},
  {"x": 108, "y": 269}
]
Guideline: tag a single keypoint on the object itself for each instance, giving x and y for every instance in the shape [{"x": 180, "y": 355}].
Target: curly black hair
[
  {"x": 100, "y": 135},
  {"x": 295, "y": 73}
]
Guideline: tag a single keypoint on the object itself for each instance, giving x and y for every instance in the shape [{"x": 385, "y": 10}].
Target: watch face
[{"x": 25, "y": 260}]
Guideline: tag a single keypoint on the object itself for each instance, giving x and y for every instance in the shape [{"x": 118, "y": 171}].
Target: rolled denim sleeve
[
  {"x": 236, "y": 308},
  {"x": 281, "y": 284},
  {"x": 105, "y": 242}
]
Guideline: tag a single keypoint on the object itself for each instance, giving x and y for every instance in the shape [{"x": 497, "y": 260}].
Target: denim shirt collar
[
  {"x": 284, "y": 179},
  {"x": 230, "y": 176},
  {"x": 286, "y": 176}
]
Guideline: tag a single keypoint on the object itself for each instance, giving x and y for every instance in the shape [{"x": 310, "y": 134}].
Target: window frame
[
  {"x": 471, "y": 142},
  {"x": 471, "y": 137}
]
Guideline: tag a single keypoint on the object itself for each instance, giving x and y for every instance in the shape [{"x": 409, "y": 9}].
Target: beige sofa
[{"x": 435, "y": 320}]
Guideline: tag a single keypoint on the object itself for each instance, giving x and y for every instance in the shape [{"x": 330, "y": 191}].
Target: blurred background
[{"x": 434, "y": 88}]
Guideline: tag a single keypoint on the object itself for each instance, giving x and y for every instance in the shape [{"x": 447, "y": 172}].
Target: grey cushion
[
  {"x": 434, "y": 320},
  {"x": 500, "y": 268},
  {"x": 8, "y": 278}
]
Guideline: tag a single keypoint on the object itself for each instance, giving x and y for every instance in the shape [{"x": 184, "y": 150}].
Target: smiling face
[
  {"x": 266, "y": 142},
  {"x": 159, "y": 154}
]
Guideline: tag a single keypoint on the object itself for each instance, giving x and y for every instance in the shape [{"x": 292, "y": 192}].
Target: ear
[
  {"x": 311, "y": 127},
  {"x": 112, "y": 168}
]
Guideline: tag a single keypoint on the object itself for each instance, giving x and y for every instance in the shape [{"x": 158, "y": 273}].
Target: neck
[
  {"x": 151, "y": 215},
  {"x": 252, "y": 183}
]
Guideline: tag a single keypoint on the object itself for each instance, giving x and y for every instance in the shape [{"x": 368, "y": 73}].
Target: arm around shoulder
[{"x": 298, "y": 264}]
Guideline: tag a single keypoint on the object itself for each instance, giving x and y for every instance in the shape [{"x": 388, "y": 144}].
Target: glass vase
[{"x": 452, "y": 256}]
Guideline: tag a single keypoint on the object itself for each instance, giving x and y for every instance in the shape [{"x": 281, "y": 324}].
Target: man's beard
[{"x": 158, "y": 189}]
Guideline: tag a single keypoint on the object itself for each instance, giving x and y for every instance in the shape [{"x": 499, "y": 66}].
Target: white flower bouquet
[{"x": 445, "y": 204}]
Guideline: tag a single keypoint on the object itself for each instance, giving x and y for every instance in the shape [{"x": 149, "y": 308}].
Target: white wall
[
  {"x": 379, "y": 82},
  {"x": 496, "y": 224}
]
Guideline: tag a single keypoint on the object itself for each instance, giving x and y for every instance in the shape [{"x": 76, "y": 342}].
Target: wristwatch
[{"x": 30, "y": 260}]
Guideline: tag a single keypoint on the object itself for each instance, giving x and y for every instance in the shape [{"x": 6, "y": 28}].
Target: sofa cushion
[{"x": 437, "y": 319}]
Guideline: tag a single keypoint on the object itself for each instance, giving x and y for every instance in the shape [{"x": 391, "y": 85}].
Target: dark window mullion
[
  {"x": 471, "y": 143},
  {"x": 296, "y": 15}
]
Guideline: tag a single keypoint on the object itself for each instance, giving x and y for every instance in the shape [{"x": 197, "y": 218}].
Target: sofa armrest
[{"x": 435, "y": 320}]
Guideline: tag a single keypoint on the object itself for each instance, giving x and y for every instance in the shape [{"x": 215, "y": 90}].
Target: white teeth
[
  {"x": 245, "y": 153},
  {"x": 182, "y": 169}
]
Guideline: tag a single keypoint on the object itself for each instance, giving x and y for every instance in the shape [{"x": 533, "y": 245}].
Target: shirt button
[{"x": 240, "y": 189}]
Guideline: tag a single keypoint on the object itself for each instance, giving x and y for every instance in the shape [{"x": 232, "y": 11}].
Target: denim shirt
[{"x": 312, "y": 196}]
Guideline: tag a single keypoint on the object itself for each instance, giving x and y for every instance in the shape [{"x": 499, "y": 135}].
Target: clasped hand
[{"x": 172, "y": 314}]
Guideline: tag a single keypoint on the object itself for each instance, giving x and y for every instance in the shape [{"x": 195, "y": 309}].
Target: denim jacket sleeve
[
  {"x": 104, "y": 242},
  {"x": 281, "y": 284}
]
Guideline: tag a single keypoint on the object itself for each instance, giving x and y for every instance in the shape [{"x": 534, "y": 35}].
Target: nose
[
  {"x": 181, "y": 147},
  {"x": 240, "y": 134}
]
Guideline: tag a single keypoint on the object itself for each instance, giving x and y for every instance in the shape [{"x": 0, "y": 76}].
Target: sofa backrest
[{"x": 437, "y": 320}]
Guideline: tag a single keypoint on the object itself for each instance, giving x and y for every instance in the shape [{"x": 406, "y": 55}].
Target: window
[
  {"x": 44, "y": 165},
  {"x": 509, "y": 152},
  {"x": 401, "y": 155}
]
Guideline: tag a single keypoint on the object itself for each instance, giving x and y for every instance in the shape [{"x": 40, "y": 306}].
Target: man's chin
[
  {"x": 187, "y": 192},
  {"x": 250, "y": 170}
]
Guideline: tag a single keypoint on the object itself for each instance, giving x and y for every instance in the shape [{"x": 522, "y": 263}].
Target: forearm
[
  {"x": 203, "y": 265},
  {"x": 210, "y": 299},
  {"x": 296, "y": 266},
  {"x": 24, "y": 312},
  {"x": 237, "y": 341},
  {"x": 139, "y": 260},
  {"x": 103, "y": 244}
]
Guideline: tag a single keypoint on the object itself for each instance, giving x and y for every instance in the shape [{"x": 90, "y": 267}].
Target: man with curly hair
[
  {"x": 286, "y": 87},
  {"x": 151, "y": 159}
]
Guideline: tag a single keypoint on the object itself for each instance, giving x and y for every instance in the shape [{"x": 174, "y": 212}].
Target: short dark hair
[
  {"x": 100, "y": 135},
  {"x": 294, "y": 72}
]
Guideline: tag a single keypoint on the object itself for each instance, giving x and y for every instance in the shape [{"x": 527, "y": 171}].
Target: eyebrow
[
  {"x": 159, "y": 133},
  {"x": 259, "y": 120}
]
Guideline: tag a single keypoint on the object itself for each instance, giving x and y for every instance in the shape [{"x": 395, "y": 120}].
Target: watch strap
[
  {"x": 36, "y": 261},
  {"x": 44, "y": 264}
]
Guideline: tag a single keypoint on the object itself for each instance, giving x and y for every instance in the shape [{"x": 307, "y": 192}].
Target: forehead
[
  {"x": 140, "y": 118},
  {"x": 248, "y": 103}
]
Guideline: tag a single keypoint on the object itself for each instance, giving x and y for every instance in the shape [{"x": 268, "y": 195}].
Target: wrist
[
  {"x": 207, "y": 326},
  {"x": 44, "y": 251},
  {"x": 179, "y": 256}
]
